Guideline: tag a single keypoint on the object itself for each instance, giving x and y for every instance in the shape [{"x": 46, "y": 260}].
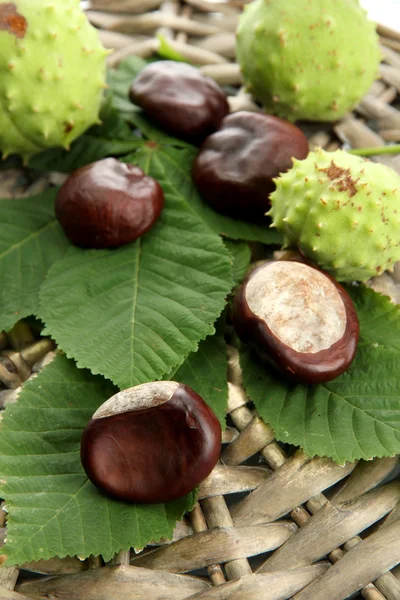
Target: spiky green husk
[
  {"x": 307, "y": 59},
  {"x": 52, "y": 78},
  {"x": 342, "y": 212}
]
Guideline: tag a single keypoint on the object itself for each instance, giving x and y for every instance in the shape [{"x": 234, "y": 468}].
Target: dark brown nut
[
  {"x": 108, "y": 204},
  {"x": 151, "y": 443},
  {"x": 235, "y": 167},
  {"x": 180, "y": 99},
  {"x": 299, "y": 319}
]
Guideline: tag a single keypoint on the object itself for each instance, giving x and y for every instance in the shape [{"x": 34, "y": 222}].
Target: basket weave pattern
[{"x": 291, "y": 526}]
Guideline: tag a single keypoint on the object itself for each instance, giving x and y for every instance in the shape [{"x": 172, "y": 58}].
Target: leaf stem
[{"x": 393, "y": 149}]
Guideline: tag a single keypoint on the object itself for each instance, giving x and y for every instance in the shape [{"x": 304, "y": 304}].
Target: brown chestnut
[
  {"x": 235, "y": 167},
  {"x": 151, "y": 443},
  {"x": 299, "y": 319},
  {"x": 180, "y": 99},
  {"x": 108, "y": 204}
]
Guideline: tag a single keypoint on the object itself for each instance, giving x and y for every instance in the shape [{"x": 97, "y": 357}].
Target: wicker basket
[{"x": 267, "y": 525}]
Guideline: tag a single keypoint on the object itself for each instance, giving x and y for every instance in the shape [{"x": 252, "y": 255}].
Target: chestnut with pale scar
[
  {"x": 151, "y": 443},
  {"x": 299, "y": 319}
]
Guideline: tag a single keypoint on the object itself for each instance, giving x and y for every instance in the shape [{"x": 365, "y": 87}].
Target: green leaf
[
  {"x": 241, "y": 255},
  {"x": 180, "y": 160},
  {"x": 120, "y": 80},
  {"x": 54, "y": 510},
  {"x": 166, "y": 51},
  {"x": 31, "y": 240},
  {"x": 205, "y": 371},
  {"x": 357, "y": 415},
  {"x": 134, "y": 313},
  {"x": 154, "y": 134},
  {"x": 85, "y": 150},
  {"x": 379, "y": 317}
]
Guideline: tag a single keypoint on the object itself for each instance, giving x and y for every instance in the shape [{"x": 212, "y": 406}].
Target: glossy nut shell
[
  {"x": 235, "y": 167},
  {"x": 180, "y": 99},
  {"x": 156, "y": 452},
  {"x": 108, "y": 204},
  {"x": 311, "y": 331}
]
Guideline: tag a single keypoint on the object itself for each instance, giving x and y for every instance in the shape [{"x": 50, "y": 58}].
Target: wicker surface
[{"x": 268, "y": 525}]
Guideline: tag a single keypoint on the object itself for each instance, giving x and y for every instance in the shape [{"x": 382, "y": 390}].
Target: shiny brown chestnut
[
  {"x": 235, "y": 167},
  {"x": 180, "y": 99},
  {"x": 299, "y": 319},
  {"x": 108, "y": 204},
  {"x": 151, "y": 443}
]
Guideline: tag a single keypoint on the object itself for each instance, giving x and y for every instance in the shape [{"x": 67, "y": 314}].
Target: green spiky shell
[
  {"x": 51, "y": 79},
  {"x": 342, "y": 212},
  {"x": 307, "y": 59}
]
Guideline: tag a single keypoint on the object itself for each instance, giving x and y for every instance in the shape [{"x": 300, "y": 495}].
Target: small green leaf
[
  {"x": 53, "y": 509},
  {"x": 154, "y": 134},
  {"x": 166, "y": 51},
  {"x": 120, "y": 80},
  {"x": 241, "y": 255},
  {"x": 135, "y": 313},
  {"x": 357, "y": 415},
  {"x": 31, "y": 240},
  {"x": 379, "y": 317},
  {"x": 205, "y": 371}
]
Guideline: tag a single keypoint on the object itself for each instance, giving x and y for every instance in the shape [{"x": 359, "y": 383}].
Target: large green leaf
[
  {"x": 357, "y": 415},
  {"x": 205, "y": 371},
  {"x": 53, "y": 508},
  {"x": 134, "y": 313},
  {"x": 31, "y": 240}
]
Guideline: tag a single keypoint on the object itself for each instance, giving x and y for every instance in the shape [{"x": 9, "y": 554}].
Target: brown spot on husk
[
  {"x": 341, "y": 178},
  {"x": 12, "y": 21}
]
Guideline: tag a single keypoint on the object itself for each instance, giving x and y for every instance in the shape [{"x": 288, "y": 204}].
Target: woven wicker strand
[{"x": 320, "y": 531}]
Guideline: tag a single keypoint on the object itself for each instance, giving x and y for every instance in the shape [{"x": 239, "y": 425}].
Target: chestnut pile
[
  {"x": 156, "y": 442},
  {"x": 241, "y": 153}
]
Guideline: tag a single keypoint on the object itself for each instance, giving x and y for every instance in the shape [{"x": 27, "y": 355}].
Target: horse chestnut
[
  {"x": 180, "y": 99},
  {"x": 235, "y": 167},
  {"x": 108, "y": 204},
  {"x": 151, "y": 443},
  {"x": 297, "y": 318}
]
